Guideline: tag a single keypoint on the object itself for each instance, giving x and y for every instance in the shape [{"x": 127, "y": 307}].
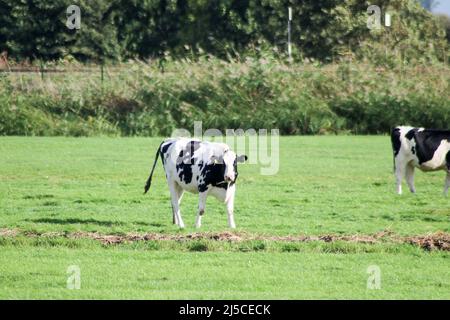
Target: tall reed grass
[{"x": 155, "y": 97}]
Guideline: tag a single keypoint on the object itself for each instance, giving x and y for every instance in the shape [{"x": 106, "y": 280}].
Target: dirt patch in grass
[
  {"x": 373, "y": 238},
  {"x": 432, "y": 241},
  {"x": 439, "y": 241},
  {"x": 131, "y": 237}
]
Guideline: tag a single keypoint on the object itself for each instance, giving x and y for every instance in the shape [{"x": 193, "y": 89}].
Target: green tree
[
  {"x": 33, "y": 29},
  {"x": 116, "y": 29},
  {"x": 445, "y": 21},
  {"x": 97, "y": 39}
]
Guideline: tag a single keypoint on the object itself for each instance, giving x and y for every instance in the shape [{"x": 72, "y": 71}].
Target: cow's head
[{"x": 229, "y": 160}]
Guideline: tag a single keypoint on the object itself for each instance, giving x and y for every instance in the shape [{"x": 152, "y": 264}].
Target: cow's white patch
[{"x": 228, "y": 160}]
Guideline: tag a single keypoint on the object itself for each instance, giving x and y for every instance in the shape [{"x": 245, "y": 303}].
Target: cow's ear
[{"x": 242, "y": 158}]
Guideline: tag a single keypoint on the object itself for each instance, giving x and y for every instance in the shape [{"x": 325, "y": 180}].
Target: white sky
[{"x": 443, "y": 7}]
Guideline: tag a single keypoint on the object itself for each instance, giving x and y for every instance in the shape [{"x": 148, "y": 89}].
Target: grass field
[{"x": 327, "y": 185}]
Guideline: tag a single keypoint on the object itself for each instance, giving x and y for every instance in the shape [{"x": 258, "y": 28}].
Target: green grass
[
  {"x": 325, "y": 185},
  {"x": 40, "y": 272}
]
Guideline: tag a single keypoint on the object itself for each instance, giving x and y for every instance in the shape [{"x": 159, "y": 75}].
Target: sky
[{"x": 443, "y": 7}]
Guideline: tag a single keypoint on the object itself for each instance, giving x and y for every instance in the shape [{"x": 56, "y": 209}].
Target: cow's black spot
[
  {"x": 410, "y": 134},
  {"x": 163, "y": 150},
  {"x": 395, "y": 139},
  {"x": 427, "y": 142},
  {"x": 185, "y": 172},
  {"x": 213, "y": 174},
  {"x": 413, "y": 150},
  {"x": 447, "y": 158},
  {"x": 202, "y": 187},
  {"x": 186, "y": 160},
  {"x": 166, "y": 147},
  {"x": 187, "y": 154}
]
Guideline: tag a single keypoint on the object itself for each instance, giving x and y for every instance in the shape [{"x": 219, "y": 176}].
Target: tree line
[{"x": 114, "y": 30}]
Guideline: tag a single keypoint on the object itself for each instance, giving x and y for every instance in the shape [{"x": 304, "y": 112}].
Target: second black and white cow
[
  {"x": 426, "y": 149},
  {"x": 198, "y": 167}
]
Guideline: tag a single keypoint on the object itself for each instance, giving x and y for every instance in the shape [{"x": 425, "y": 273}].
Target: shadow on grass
[
  {"x": 38, "y": 196},
  {"x": 107, "y": 223},
  {"x": 76, "y": 221}
]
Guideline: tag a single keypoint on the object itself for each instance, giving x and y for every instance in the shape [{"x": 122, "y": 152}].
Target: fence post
[
  {"x": 42, "y": 70},
  {"x": 289, "y": 33}
]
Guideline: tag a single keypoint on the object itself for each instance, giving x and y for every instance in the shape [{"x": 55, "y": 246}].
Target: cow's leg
[
  {"x": 174, "y": 221},
  {"x": 400, "y": 168},
  {"x": 176, "y": 194},
  {"x": 180, "y": 196},
  {"x": 447, "y": 183},
  {"x": 447, "y": 180},
  {"x": 229, "y": 200},
  {"x": 201, "y": 208},
  {"x": 410, "y": 177}
]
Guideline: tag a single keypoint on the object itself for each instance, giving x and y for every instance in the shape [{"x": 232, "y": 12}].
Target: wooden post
[
  {"x": 42, "y": 70},
  {"x": 102, "y": 71}
]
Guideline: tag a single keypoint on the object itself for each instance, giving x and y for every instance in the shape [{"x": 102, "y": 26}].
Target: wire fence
[{"x": 101, "y": 71}]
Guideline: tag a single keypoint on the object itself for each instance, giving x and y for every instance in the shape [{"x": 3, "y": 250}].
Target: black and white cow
[
  {"x": 426, "y": 149},
  {"x": 198, "y": 167}
]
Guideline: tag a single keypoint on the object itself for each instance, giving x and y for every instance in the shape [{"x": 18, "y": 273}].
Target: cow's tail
[
  {"x": 149, "y": 180},
  {"x": 396, "y": 143}
]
